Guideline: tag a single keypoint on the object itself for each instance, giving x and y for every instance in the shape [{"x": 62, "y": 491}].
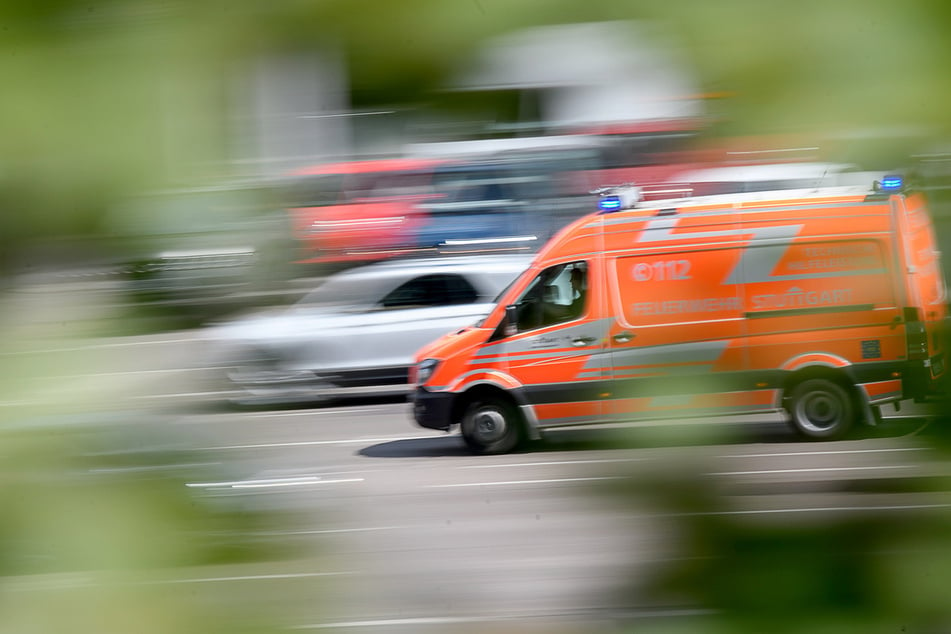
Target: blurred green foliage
[
  {"x": 108, "y": 97},
  {"x": 102, "y": 99},
  {"x": 100, "y": 532}
]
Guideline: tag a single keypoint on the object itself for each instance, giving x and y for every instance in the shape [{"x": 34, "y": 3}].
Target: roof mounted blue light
[
  {"x": 609, "y": 203},
  {"x": 891, "y": 183},
  {"x": 617, "y": 197}
]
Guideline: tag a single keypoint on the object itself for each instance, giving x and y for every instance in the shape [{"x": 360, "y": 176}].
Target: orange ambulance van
[{"x": 822, "y": 303}]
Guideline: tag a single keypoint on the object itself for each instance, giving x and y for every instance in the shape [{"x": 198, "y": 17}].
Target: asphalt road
[
  {"x": 386, "y": 527},
  {"x": 401, "y": 530}
]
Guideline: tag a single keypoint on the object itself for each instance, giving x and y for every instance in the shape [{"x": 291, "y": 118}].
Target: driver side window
[{"x": 558, "y": 294}]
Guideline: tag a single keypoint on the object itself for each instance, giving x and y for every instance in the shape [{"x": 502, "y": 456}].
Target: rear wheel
[
  {"x": 820, "y": 409},
  {"x": 491, "y": 426}
]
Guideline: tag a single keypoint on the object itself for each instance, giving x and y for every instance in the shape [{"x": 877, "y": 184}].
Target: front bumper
[
  {"x": 262, "y": 387},
  {"x": 273, "y": 387},
  {"x": 432, "y": 409}
]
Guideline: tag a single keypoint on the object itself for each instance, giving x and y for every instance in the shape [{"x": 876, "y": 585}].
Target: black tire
[
  {"x": 491, "y": 426},
  {"x": 820, "y": 409}
]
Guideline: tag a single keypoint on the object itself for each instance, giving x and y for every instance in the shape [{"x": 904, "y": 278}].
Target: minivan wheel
[
  {"x": 820, "y": 409},
  {"x": 491, "y": 426}
]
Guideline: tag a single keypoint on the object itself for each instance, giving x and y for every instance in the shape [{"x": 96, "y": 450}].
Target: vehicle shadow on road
[
  {"x": 640, "y": 437},
  {"x": 588, "y": 439},
  {"x": 662, "y": 435},
  {"x": 221, "y": 406},
  {"x": 436, "y": 447}
]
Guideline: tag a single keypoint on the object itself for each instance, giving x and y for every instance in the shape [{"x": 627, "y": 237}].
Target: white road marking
[
  {"x": 332, "y": 531},
  {"x": 159, "y": 467},
  {"x": 177, "y": 395},
  {"x": 821, "y": 453},
  {"x": 45, "y": 582},
  {"x": 334, "y": 411},
  {"x": 271, "y": 482},
  {"x": 359, "y": 409},
  {"x": 97, "y": 346},
  {"x": 509, "y": 482},
  {"x": 447, "y": 620},
  {"x": 810, "y": 470},
  {"x": 297, "y": 575},
  {"x": 101, "y": 375},
  {"x": 549, "y": 463},
  {"x": 433, "y": 620},
  {"x": 899, "y": 507},
  {"x": 309, "y": 443}
]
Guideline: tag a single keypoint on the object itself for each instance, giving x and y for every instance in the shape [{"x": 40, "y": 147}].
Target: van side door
[{"x": 676, "y": 340}]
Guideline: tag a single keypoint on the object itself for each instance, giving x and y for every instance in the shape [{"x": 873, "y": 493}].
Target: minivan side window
[{"x": 556, "y": 295}]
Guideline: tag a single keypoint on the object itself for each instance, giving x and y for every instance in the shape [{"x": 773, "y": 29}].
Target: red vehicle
[{"x": 358, "y": 210}]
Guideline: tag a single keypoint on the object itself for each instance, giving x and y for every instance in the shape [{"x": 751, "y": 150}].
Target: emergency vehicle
[{"x": 822, "y": 303}]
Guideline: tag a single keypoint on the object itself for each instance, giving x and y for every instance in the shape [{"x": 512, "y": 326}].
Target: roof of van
[
  {"x": 783, "y": 183},
  {"x": 710, "y": 205},
  {"x": 845, "y": 193},
  {"x": 751, "y": 198}
]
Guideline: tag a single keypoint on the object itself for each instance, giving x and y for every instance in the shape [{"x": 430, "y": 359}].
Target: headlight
[{"x": 425, "y": 370}]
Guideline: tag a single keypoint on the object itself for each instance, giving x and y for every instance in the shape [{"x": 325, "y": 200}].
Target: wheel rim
[
  {"x": 489, "y": 425},
  {"x": 820, "y": 412}
]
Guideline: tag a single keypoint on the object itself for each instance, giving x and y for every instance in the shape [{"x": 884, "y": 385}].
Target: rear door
[{"x": 924, "y": 280}]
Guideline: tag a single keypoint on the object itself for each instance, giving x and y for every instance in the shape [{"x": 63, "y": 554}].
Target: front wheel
[
  {"x": 491, "y": 426},
  {"x": 821, "y": 409}
]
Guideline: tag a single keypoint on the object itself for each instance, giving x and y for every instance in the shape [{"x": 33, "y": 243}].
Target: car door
[{"x": 417, "y": 311}]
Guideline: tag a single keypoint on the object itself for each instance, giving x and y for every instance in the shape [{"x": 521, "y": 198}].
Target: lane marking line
[
  {"x": 297, "y": 575},
  {"x": 268, "y": 483},
  {"x": 550, "y": 463},
  {"x": 811, "y": 470},
  {"x": 901, "y": 507},
  {"x": 309, "y": 443},
  {"x": 822, "y": 453},
  {"x": 509, "y": 482}
]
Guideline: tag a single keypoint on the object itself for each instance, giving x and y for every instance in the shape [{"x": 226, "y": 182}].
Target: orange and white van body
[{"x": 823, "y": 303}]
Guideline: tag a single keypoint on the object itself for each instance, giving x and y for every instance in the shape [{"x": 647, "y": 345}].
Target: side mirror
[{"x": 511, "y": 320}]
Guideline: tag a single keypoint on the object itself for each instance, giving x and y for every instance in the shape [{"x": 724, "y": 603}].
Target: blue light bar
[
  {"x": 609, "y": 203},
  {"x": 891, "y": 183}
]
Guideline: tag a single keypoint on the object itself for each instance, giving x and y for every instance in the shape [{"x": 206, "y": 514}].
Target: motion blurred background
[
  {"x": 164, "y": 162},
  {"x": 107, "y": 102}
]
